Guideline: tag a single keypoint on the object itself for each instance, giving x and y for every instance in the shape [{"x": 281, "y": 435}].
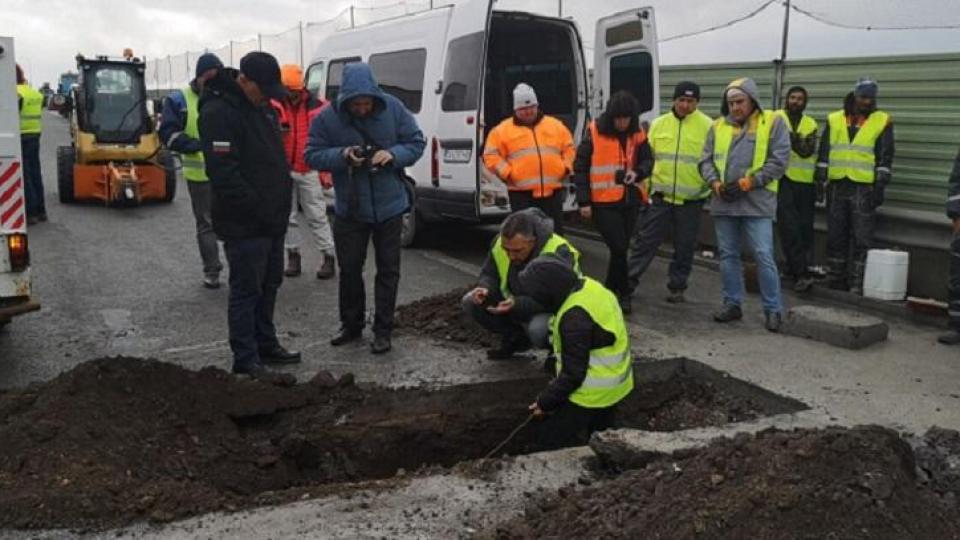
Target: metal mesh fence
[{"x": 286, "y": 46}]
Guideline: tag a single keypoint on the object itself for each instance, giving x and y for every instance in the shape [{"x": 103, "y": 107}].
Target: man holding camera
[{"x": 365, "y": 141}]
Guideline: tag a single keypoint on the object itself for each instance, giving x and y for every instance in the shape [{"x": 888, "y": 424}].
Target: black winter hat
[
  {"x": 549, "y": 279},
  {"x": 206, "y": 62},
  {"x": 687, "y": 89},
  {"x": 263, "y": 69}
]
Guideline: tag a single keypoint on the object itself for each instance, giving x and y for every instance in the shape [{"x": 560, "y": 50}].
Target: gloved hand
[
  {"x": 878, "y": 194},
  {"x": 821, "y": 188},
  {"x": 746, "y": 183},
  {"x": 731, "y": 191}
]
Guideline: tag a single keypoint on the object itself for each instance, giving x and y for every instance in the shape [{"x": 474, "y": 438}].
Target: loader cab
[{"x": 111, "y": 100}]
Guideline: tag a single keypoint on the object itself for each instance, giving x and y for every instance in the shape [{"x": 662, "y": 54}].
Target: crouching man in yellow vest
[
  {"x": 856, "y": 153},
  {"x": 594, "y": 366},
  {"x": 498, "y": 302}
]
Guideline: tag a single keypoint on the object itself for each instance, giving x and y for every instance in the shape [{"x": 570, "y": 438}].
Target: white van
[{"x": 455, "y": 68}]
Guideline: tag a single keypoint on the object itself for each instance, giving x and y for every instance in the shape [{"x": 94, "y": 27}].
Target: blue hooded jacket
[{"x": 362, "y": 195}]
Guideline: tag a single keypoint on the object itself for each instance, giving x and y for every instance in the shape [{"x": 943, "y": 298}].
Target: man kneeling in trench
[
  {"x": 594, "y": 369},
  {"x": 499, "y": 303}
]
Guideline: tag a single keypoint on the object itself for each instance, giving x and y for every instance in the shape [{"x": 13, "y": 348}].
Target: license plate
[{"x": 456, "y": 155}]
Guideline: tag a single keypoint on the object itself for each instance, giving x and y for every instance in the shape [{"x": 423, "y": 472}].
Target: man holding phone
[{"x": 498, "y": 302}]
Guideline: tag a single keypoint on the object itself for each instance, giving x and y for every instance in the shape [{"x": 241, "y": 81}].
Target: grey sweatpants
[{"x": 200, "y": 201}]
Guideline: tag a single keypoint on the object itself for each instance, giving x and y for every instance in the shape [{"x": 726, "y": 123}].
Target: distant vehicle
[
  {"x": 47, "y": 92},
  {"x": 116, "y": 156},
  {"x": 62, "y": 100},
  {"x": 455, "y": 67},
  {"x": 15, "y": 283}
]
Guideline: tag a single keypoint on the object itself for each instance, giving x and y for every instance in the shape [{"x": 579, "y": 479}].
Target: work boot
[
  {"x": 772, "y": 321},
  {"x": 510, "y": 345},
  {"x": 293, "y": 263},
  {"x": 729, "y": 313},
  {"x": 803, "y": 284},
  {"x": 345, "y": 336},
  {"x": 43, "y": 217},
  {"x": 380, "y": 345},
  {"x": 626, "y": 304},
  {"x": 676, "y": 297},
  {"x": 952, "y": 337},
  {"x": 276, "y": 354},
  {"x": 32, "y": 220},
  {"x": 211, "y": 280},
  {"x": 255, "y": 370},
  {"x": 328, "y": 268}
]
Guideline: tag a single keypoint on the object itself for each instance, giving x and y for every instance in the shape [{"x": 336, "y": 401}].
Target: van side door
[{"x": 626, "y": 58}]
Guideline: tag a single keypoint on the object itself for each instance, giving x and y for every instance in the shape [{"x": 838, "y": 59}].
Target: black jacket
[
  {"x": 643, "y": 162},
  {"x": 245, "y": 162},
  {"x": 953, "y": 194},
  {"x": 579, "y": 334}
]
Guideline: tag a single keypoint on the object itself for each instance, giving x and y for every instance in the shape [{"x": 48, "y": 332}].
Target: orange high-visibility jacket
[
  {"x": 608, "y": 158},
  {"x": 533, "y": 158}
]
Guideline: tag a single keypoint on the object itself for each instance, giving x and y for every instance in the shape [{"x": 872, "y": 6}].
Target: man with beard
[
  {"x": 856, "y": 153},
  {"x": 797, "y": 195}
]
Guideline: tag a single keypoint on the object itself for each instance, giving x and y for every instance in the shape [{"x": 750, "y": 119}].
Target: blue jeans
[
  {"x": 256, "y": 272},
  {"x": 759, "y": 235}
]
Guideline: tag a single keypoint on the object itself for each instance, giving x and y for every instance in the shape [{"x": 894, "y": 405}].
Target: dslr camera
[{"x": 366, "y": 152}]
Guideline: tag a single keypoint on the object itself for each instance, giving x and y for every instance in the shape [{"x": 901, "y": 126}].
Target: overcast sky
[{"x": 49, "y": 33}]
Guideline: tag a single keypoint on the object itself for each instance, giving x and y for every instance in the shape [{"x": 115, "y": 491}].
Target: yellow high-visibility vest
[
  {"x": 759, "y": 123},
  {"x": 502, "y": 261},
  {"x": 854, "y": 159},
  {"x": 801, "y": 169},
  {"x": 677, "y": 145},
  {"x": 31, "y": 119},
  {"x": 194, "y": 167}
]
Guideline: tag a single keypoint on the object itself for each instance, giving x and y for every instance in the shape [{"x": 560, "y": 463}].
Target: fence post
[
  {"x": 170, "y": 72},
  {"x": 351, "y": 17},
  {"x": 231, "y": 52},
  {"x": 259, "y": 42},
  {"x": 302, "y": 61}
]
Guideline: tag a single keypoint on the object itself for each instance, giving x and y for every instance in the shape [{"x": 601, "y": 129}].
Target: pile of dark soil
[
  {"x": 440, "y": 317},
  {"x": 120, "y": 440},
  {"x": 834, "y": 483}
]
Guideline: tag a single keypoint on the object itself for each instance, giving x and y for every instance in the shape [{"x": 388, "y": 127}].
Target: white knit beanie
[{"x": 523, "y": 96}]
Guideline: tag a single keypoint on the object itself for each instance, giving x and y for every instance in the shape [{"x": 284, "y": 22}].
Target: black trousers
[
  {"x": 32, "y": 178},
  {"x": 655, "y": 221},
  {"x": 572, "y": 425},
  {"x": 851, "y": 220},
  {"x": 795, "y": 210},
  {"x": 552, "y": 206},
  {"x": 954, "y": 288},
  {"x": 351, "y": 239},
  {"x": 616, "y": 224},
  {"x": 256, "y": 272}
]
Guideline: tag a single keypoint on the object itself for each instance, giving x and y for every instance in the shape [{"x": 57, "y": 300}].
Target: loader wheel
[
  {"x": 169, "y": 165},
  {"x": 66, "y": 157}
]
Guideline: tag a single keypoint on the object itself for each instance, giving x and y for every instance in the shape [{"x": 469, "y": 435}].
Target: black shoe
[
  {"x": 32, "y": 220},
  {"x": 950, "y": 338},
  {"x": 328, "y": 268},
  {"x": 345, "y": 336},
  {"x": 509, "y": 347},
  {"x": 278, "y": 355},
  {"x": 626, "y": 304},
  {"x": 380, "y": 345},
  {"x": 211, "y": 281},
  {"x": 293, "y": 264},
  {"x": 772, "y": 321},
  {"x": 256, "y": 370},
  {"x": 729, "y": 313},
  {"x": 43, "y": 217},
  {"x": 676, "y": 297}
]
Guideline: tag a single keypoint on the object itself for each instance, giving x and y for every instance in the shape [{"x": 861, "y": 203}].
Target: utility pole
[{"x": 782, "y": 63}]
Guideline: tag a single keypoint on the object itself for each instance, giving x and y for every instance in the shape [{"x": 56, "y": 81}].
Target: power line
[
  {"x": 828, "y": 22},
  {"x": 727, "y": 24}
]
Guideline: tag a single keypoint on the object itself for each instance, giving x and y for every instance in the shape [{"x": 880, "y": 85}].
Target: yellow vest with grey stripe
[
  {"x": 194, "y": 168},
  {"x": 677, "y": 145},
  {"x": 855, "y": 160},
  {"x": 801, "y": 169},
  {"x": 610, "y": 372},
  {"x": 31, "y": 110},
  {"x": 761, "y": 124},
  {"x": 502, "y": 261}
]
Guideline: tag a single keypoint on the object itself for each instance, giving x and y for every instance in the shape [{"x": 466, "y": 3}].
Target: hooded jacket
[
  {"x": 359, "y": 194},
  {"x": 244, "y": 160},
  {"x": 758, "y": 202}
]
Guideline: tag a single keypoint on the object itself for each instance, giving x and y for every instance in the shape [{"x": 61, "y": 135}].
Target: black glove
[
  {"x": 878, "y": 192},
  {"x": 730, "y": 191}
]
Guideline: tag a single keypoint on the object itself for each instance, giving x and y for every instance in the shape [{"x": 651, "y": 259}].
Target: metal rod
[
  {"x": 231, "y": 52},
  {"x": 509, "y": 437},
  {"x": 782, "y": 64},
  {"x": 351, "y": 17},
  {"x": 560, "y": 8},
  {"x": 259, "y": 41},
  {"x": 302, "y": 63}
]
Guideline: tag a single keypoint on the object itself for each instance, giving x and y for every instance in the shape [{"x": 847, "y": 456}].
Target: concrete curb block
[{"x": 837, "y": 327}]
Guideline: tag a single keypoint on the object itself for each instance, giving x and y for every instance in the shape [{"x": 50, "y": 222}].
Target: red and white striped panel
[{"x": 13, "y": 216}]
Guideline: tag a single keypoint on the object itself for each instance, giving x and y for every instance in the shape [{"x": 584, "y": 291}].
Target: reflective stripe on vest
[
  {"x": 854, "y": 159},
  {"x": 194, "y": 168},
  {"x": 608, "y": 158},
  {"x": 610, "y": 371},
  {"x": 801, "y": 169},
  {"x": 762, "y": 125},
  {"x": 677, "y": 145},
  {"x": 502, "y": 261},
  {"x": 31, "y": 111}
]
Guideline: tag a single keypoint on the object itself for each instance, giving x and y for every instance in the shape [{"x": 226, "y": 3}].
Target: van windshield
[{"x": 114, "y": 105}]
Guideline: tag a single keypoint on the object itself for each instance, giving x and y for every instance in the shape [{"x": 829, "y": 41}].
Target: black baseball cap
[
  {"x": 263, "y": 69},
  {"x": 686, "y": 89}
]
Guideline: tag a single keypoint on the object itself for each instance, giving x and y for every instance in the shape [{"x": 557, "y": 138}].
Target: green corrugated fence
[{"x": 921, "y": 92}]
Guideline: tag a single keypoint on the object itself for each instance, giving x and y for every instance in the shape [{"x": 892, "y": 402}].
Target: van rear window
[
  {"x": 633, "y": 72},
  {"x": 624, "y": 33},
  {"x": 401, "y": 75},
  {"x": 461, "y": 74},
  {"x": 314, "y": 78}
]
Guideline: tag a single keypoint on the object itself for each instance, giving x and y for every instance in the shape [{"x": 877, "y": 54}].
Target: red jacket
[{"x": 295, "y": 125}]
